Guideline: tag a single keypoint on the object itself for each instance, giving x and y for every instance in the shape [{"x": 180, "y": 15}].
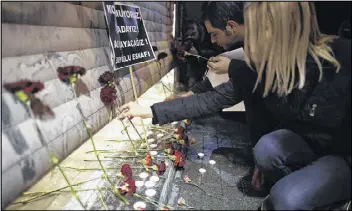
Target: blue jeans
[{"x": 301, "y": 180}]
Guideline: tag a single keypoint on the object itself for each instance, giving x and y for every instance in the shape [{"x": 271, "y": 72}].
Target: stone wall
[{"x": 39, "y": 37}]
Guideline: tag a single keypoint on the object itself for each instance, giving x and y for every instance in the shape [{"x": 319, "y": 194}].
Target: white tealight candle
[
  {"x": 150, "y": 192},
  {"x": 153, "y": 153},
  {"x": 154, "y": 178},
  {"x": 153, "y": 145},
  {"x": 143, "y": 175},
  {"x": 201, "y": 170},
  {"x": 200, "y": 155},
  {"x": 149, "y": 184},
  {"x": 139, "y": 205},
  {"x": 174, "y": 123},
  {"x": 212, "y": 162},
  {"x": 160, "y": 135},
  {"x": 139, "y": 183},
  {"x": 151, "y": 140}
]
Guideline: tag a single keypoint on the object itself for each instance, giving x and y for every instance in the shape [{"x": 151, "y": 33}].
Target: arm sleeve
[
  {"x": 223, "y": 96},
  {"x": 202, "y": 86}
]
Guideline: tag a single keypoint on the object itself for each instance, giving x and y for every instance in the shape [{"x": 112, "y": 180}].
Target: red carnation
[
  {"x": 161, "y": 168},
  {"x": 29, "y": 87},
  {"x": 108, "y": 95},
  {"x": 126, "y": 171},
  {"x": 65, "y": 73},
  {"x": 180, "y": 130},
  {"x": 106, "y": 77},
  {"x": 129, "y": 187}
]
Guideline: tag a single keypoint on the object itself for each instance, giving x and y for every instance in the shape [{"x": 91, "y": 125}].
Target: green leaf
[{"x": 54, "y": 159}]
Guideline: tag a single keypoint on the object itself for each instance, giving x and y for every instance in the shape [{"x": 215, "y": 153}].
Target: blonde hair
[{"x": 278, "y": 38}]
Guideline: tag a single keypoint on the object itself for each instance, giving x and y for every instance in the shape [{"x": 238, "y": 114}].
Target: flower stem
[
  {"x": 102, "y": 199},
  {"x": 94, "y": 169},
  {"x": 56, "y": 162},
  {"x": 114, "y": 151},
  {"x": 151, "y": 201},
  {"x": 129, "y": 137},
  {"x": 106, "y": 176}
]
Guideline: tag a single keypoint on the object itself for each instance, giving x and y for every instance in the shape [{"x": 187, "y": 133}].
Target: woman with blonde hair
[{"x": 303, "y": 79}]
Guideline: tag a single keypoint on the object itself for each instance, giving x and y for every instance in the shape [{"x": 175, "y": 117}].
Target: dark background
[{"x": 330, "y": 14}]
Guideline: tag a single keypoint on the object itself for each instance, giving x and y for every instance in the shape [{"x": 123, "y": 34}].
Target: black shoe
[{"x": 245, "y": 186}]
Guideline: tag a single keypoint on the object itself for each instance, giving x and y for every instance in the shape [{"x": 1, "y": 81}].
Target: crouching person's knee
[{"x": 268, "y": 148}]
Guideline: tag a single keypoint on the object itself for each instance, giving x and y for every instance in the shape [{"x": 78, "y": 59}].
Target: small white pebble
[
  {"x": 154, "y": 178},
  {"x": 149, "y": 133},
  {"x": 151, "y": 140},
  {"x": 160, "y": 135},
  {"x": 139, "y": 205},
  {"x": 201, "y": 170},
  {"x": 212, "y": 162},
  {"x": 143, "y": 175},
  {"x": 153, "y": 153},
  {"x": 150, "y": 192}
]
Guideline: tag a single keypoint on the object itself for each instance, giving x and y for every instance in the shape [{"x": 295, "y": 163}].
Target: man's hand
[
  {"x": 133, "y": 109},
  {"x": 172, "y": 97},
  {"x": 219, "y": 64}
]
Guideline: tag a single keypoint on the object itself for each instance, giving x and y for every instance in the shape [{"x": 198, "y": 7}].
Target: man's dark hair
[{"x": 218, "y": 13}]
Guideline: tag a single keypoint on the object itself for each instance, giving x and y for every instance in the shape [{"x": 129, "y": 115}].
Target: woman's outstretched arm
[{"x": 223, "y": 96}]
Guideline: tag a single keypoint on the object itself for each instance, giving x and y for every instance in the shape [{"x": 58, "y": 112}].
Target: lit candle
[
  {"x": 150, "y": 192},
  {"x": 154, "y": 178},
  {"x": 149, "y": 184},
  {"x": 201, "y": 155},
  {"x": 143, "y": 175},
  {"x": 139, "y": 205},
  {"x": 153, "y": 153},
  {"x": 202, "y": 171},
  {"x": 212, "y": 162},
  {"x": 151, "y": 140}
]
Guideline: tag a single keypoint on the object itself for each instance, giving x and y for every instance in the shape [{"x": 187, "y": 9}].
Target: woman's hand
[
  {"x": 133, "y": 109},
  {"x": 219, "y": 64}
]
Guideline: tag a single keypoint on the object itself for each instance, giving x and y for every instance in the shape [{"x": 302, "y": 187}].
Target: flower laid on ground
[
  {"x": 182, "y": 202},
  {"x": 161, "y": 168},
  {"x": 187, "y": 121},
  {"x": 126, "y": 172},
  {"x": 108, "y": 95},
  {"x": 187, "y": 179},
  {"x": 179, "y": 160},
  {"x": 69, "y": 74},
  {"x": 128, "y": 187},
  {"x": 193, "y": 140},
  {"x": 169, "y": 151},
  {"x": 148, "y": 160}
]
